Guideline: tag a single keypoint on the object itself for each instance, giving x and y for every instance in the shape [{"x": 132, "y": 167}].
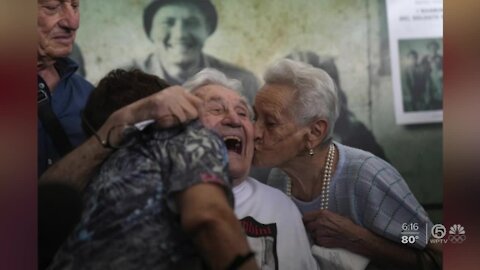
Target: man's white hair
[
  {"x": 314, "y": 92},
  {"x": 210, "y": 76}
]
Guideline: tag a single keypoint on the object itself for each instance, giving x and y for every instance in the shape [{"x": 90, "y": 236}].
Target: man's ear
[{"x": 317, "y": 132}]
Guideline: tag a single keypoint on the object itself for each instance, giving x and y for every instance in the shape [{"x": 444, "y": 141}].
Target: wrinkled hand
[
  {"x": 331, "y": 230},
  {"x": 169, "y": 107}
]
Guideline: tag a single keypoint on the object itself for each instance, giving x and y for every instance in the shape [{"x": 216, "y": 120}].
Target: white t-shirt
[{"x": 274, "y": 227}]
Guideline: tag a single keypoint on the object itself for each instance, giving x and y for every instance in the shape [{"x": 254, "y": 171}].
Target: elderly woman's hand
[
  {"x": 169, "y": 107},
  {"x": 331, "y": 230},
  {"x": 173, "y": 106}
]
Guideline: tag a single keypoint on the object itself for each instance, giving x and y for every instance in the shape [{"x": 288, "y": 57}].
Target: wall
[{"x": 252, "y": 33}]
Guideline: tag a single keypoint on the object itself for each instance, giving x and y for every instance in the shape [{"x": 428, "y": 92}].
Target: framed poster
[{"x": 415, "y": 34}]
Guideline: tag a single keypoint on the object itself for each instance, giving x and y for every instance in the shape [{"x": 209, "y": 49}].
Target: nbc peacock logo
[{"x": 457, "y": 234}]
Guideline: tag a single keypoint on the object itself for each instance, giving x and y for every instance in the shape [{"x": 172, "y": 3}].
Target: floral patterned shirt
[{"x": 130, "y": 219}]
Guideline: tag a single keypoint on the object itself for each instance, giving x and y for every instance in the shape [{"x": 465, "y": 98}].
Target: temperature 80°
[{"x": 409, "y": 239}]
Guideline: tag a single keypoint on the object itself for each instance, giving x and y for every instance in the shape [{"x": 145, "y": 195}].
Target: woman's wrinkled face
[{"x": 278, "y": 138}]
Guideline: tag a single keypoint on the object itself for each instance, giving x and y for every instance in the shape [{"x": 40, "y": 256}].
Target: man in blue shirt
[{"x": 62, "y": 90}]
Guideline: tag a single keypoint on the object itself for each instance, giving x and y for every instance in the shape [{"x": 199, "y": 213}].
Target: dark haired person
[
  {"x": 66, "y": 156},
  {"x": 162, "y": 200},
  {"x": 179, "y": 29}
]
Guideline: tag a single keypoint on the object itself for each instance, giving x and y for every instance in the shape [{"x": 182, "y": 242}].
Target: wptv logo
[{"x": 456, "y": 234}]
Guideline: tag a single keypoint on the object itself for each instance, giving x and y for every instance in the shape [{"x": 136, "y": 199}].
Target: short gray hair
[
  {"x": 315, "y": 95},
  {"x": 208, "y": 76}
]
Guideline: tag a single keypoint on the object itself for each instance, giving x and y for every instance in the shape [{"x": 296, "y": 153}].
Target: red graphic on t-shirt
[{"x": 264, "y": 237}]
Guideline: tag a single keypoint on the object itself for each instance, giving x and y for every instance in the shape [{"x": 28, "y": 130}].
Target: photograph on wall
[
  {"x": 421, "y": 74},
  {"x": 416, "y": 52}
]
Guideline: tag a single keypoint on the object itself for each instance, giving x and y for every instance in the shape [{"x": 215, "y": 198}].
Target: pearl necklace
[{"x": 327, "y": 175}]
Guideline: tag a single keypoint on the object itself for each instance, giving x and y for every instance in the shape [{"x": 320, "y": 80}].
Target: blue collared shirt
[{"x": 68, "y": 100}]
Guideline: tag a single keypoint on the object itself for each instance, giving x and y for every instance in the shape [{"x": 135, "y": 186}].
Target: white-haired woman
[{"x": 350, "y": 198}]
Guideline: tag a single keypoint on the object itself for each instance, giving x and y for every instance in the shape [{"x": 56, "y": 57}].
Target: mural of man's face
[{"x": 180, "y": 30}]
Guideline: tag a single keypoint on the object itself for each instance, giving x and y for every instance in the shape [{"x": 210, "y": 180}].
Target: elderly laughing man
[{"x": 129, "y": 201}]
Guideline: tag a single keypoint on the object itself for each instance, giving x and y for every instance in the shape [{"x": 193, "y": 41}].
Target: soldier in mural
[{"x": 179, "y": 30}]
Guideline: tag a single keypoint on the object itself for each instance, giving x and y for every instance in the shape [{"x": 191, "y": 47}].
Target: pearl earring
[{"x": 311, "y": 152}]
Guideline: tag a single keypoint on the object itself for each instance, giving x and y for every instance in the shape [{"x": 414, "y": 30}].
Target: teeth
[
  {"x": 232, "y": 138},
  {"x": 233, "y": 143}
]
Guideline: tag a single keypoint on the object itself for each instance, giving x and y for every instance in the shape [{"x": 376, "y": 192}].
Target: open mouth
[{"x": 233, "y": 143}]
